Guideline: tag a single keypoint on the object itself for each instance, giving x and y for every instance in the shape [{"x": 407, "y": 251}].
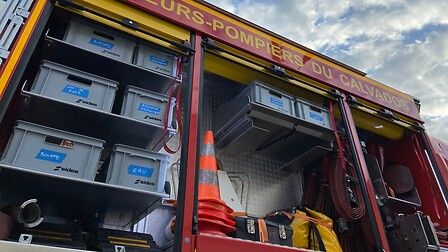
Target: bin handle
[
  {"x": 104, "y": 35},
  {"x": 316, "y": 109},
  {"x": 79, "y": 79},
  {"x": 275, "y": 93},
  {"x": 65, "y": 143}
]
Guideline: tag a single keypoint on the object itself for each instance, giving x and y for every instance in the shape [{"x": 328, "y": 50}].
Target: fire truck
[{"x": 173, "y": 125}]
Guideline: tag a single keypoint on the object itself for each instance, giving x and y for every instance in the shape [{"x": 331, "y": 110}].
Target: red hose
[
  {"x": 174, "y": 90},
  {"x": 337, "y": 170},
  {"x": 337, "y": 167}
]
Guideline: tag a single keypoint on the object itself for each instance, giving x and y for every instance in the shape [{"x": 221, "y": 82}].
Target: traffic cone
[{"x": 214, "y": 216}]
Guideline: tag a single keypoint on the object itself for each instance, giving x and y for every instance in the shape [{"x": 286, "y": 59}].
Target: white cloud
[{"x": 380, "y": 37}]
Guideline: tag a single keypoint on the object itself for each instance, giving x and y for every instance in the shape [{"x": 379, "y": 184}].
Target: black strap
[{"x": 314, "y": 232}]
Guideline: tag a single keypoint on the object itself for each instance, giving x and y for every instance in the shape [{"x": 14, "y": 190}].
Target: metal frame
[
  {"x": 184, "y": 239},
  {"x": 366, "y": 184},
  {"x": 25, "y": 43}
]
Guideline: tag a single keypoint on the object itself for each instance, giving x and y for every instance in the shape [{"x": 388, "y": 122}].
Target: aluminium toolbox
[
  {"x": 158, "y": 61},
  {"x": 147, "y": 106},
  {"x": 74, "y": 86},
  {"x": 53, "y": 151},
  {"x": 313, "y": 113},
  {"x": 137, "y": 168},
  {"x": 100, "y": 40},
  {"x": 109, "y": 240}
]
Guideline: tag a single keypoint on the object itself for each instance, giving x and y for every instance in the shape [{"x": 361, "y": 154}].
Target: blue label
[
  {"x": 140, "y": 171},
  {"x": 101, "y": 43},
  {"x": 277, "y": 102},
  {"x": 148, "y": 108},
  {"x": 82, "y": 92},
  {"x": 316, "y": 116},
  {"x": 51, "y": 156},
  {"x": 158, "y": 60}
]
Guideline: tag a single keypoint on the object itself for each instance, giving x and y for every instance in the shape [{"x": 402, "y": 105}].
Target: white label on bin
[
  {"x": 158, "y": 60},
  {"x": 148, "y": 108},
  {"x": 316, "y": 116},
  {"x": 141, "y": 171},
  {"x": 51, "y": 156},
  {"x": 277, "y": 102},
  {"x": 101, "y": 43},
  {"x": 70, "y": 89}
]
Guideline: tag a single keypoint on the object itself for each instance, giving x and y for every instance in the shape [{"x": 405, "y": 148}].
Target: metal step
[{"x": 19, "y": 247}]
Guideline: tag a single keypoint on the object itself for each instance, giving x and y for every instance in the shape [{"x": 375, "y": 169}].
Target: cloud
[{"x": 399, "y": 42}]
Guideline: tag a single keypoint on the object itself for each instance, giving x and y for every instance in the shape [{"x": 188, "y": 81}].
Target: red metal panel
[
  {"x": 187, "y": 236},
  {"x": 209, "y": 243},
  {"x": 440, "y": 150},
  {"x": 409, "y": 152},
  {"x": 270, "y": 48},
  {"x": 365, "y": 174}
]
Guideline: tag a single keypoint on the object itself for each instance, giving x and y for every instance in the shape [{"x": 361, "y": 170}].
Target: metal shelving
[
  {"x": 109, "y": 127},
  {"x": 76, "y": 198}
]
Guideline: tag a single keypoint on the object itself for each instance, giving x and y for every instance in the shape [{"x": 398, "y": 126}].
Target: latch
[
  {"x": 120, "y": 248},
  {"x": 250, "y": 226},
  {"x": 25, "y": 238},
  {"x": 282, "y": 232}
]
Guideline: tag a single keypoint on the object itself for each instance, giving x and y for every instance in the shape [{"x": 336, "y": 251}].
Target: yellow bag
[
  {"x": 301, "y": 229},
  {"x": 309, "y": 227}
]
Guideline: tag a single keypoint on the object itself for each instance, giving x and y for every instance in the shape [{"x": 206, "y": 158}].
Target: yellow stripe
[
  {"x": 282, "y": 43},
  {"x": 21, "y": 42},
  {"x": 48, "y": 232},
  {"x": 119, "y": 10},
  {"x": 127, "y": 239},
  {"x": 130, "y": 244}
]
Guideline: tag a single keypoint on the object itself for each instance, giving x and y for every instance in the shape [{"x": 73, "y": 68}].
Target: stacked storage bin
[{"x": 66, "y": 154}]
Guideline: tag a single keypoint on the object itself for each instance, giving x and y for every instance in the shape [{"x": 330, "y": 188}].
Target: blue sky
[{"x": 402, "y": 43}]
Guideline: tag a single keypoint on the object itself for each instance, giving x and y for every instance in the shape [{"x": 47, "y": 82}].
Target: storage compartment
[
  {"x": 250, "y": 122},
  {"x": 73, "y": 86},
  {"x": 147, "y": 106},
  {"x": 137, "y": 168},
  {"x": 100, "y": 40},
  {"x": 53, "y": 151},
  {"x": 312, "y": 113},
  {"x": 156, "y": 60}
]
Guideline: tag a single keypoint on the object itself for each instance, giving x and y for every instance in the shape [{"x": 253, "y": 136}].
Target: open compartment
[
  {"x": 273, "y": 159},
  {"x": 91, "y": 162},
  {"x": 404, "y": 180}
]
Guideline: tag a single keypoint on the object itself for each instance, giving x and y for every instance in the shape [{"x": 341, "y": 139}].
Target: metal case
[
  {"x": 74, "y": 86},
  {"x": 48, "y": 150}
]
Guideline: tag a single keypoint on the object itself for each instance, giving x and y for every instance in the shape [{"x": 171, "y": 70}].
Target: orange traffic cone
[{"x": 214, "y": 214}]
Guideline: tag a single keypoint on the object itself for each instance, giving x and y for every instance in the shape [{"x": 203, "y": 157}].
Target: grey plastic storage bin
[
  {"x": 74, "y": 86},
  {"x": 313, "y": 113},
  {"x": 147, "y": 106},
  {"x": 268, "y": 96},
  {"x": 137, "y": 168},
  {"x": 100, "y": 40},
  {"x": 155, "y": 60},
  {"x": 48, "y": 150}
]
